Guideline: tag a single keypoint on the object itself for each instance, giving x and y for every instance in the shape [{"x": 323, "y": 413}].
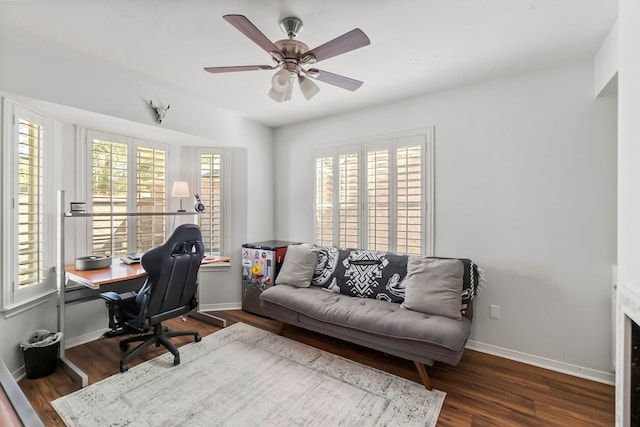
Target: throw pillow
[
  {"x": 434, "y": 286},
  {"x": 298, "y": 266}
]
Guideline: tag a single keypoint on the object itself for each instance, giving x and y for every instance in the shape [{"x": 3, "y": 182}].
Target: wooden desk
[{"x": 118, "y": 272}]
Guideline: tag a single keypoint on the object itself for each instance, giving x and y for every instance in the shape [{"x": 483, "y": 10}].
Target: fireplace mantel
[{"x": 628, "y": 310}]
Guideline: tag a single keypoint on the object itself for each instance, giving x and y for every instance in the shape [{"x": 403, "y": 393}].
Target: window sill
[{"x": 29, "y": 303}]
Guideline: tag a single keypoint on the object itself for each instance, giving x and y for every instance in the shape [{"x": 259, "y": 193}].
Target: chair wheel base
[
  {"x": 198, "y": 338},
  {"x": 124, "y": 367},
  {"x": 124, "y": 346},
  {"x": 176, "y": 360}
]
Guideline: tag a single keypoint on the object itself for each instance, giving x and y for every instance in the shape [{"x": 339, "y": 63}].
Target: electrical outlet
[{"x": 494, "y": 311}]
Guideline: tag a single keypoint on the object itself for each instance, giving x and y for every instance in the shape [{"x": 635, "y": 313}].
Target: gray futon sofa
[{"x": 417, "y": 308}]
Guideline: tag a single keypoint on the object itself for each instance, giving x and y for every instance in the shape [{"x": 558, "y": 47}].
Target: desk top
[
  {"x": 215, "y": 258},
  {"x": 119, "y": 271}
]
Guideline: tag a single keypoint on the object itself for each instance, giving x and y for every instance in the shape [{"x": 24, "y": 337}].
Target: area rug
[{"x": 244, "y": 376}]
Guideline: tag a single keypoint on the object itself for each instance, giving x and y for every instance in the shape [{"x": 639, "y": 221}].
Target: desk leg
[
  {"x": 74, "y": 372},
  {"x": 209, "y": 318},
  {"x": 61, "y": 282}
]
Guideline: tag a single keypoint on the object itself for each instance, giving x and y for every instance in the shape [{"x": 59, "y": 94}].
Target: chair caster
[
  {"x": 198, "y": 338},
  {"x": 124, "y": 346},
  {"x": 124, "y": 367},
  {"x": 176, "y": 360}
]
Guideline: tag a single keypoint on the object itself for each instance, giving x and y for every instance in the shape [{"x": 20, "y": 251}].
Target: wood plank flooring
[{"x": 483, "y": 390}]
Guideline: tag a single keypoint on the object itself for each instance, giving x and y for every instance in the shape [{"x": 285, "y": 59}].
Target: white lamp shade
[
  {"x": 309, "y": 89},
  {"x": 180, "y": 189},
  {"x": 277, "y": 96},
  {"x": 281, "y": 81}
]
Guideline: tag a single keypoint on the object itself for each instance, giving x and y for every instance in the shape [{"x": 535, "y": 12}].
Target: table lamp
[{"x": 180, "y": 189}]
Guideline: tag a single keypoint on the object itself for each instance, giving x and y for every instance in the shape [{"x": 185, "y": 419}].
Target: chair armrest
[{"x": 115, "y": 297}]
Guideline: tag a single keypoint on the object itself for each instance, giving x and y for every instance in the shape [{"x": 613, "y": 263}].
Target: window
[
  {"x": 390, "y": 208},
  {"x": 29, "y": 231},
  {"x": 338, "y": 199},
  {"x": 150, "y": 197},
  {"x": 126, "y": 176},
  {"x": 30, "y": 215},
  {"x": 210, "y": 191}
]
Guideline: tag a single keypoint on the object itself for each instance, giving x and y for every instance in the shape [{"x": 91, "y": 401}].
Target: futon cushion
[
  {"x": 298, "y": 266},
  {"x": 370, "y": 315},
  {"x": 434, "y": 286}
]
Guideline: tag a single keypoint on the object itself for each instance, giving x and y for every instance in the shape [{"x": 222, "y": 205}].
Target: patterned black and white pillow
[{"x": 361, "y": 273}]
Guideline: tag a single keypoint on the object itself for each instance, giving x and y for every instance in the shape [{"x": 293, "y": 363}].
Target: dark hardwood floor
[{"x": 483, "y": 390}]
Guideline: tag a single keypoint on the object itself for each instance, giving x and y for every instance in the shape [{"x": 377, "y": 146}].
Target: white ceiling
[{"x": 417, "y": 46}]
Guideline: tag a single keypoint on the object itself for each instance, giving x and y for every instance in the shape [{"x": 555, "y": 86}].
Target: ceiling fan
[{"x": 292, "y": 57}]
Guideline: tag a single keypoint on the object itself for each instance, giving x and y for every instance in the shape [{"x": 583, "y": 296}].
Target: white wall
[
  {"x": 605, "y": 64},
  {"x": 629, "y": 146},
  {"x": 628, "y": 200},
  {"x": 82, "y": 90},
  {"x": 525, "y": 186}
]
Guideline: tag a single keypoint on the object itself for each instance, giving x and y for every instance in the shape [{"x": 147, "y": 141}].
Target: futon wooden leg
[
  {"x": 423, "y": 375},
  {"x": 281, "y": 328}
]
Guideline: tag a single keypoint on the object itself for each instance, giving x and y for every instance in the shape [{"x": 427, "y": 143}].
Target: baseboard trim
[
  {"x": 221, "y": 307},
  {"x": 542, "y": 362},
  {"x": 83, "y": 339}
]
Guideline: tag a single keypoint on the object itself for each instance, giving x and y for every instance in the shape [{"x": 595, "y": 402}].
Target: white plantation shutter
[
  {"x": 337, "y": 198},
  {"x": 349, "y": 197},
  {"x": 27, "y": 162},
  {"x": 109, "y": 194},
  {"x": 324, "y": 200},
  {"x": 151, "y": 196},
  {"x": 127, "y": 175},
  {"x": 30, "y": 203},
  {"x": 379, "y": 200},
  {"x": 210, "y": 191},
  {"x": 390, "y": 208},
  {"x": 410, "y": 200},
  {"x": 397, "y": 190}
]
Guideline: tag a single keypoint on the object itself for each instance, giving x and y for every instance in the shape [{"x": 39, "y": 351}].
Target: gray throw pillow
[
  {"x": 298, "y": 266},
  {"x": 434, "y": 286}
]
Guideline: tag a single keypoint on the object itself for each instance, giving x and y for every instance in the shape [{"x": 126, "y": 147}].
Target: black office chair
[{"x": 169, "y": 291}]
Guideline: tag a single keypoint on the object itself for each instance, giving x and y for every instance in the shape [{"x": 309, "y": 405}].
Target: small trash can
[{"x": 40, "y": 350}]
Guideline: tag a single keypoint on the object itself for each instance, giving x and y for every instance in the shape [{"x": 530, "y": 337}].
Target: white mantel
[{"x": 628, "y": 308}]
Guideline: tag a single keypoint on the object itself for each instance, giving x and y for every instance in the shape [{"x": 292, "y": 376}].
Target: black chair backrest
[{"x": 172, "y": 276}]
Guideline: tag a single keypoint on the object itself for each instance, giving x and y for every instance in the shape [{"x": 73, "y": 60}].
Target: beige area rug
[{"x": 244, "y": 376}]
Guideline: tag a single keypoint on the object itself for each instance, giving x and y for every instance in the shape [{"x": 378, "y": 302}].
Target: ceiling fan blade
[
  {"x": 347, "y": 42},
  {"x": 247, "y": 28},
  {"x": 334, "y": 79},
  {"x": 215, "y": 70}
]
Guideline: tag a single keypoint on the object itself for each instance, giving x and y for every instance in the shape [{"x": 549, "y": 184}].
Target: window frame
[
  {"x": 337, "y": 153},
  {"x": 13, "y": 296},
  {"x": 422, "y": 137},
  {"x": 223, "y": 191},
  {"x": 132, "y": 144}
]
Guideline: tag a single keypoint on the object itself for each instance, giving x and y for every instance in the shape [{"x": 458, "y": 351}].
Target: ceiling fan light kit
[
  {"x": 292, "y": 56},
  {"x": 281, "y": 80},
  {"x": 308, "y": 88}
]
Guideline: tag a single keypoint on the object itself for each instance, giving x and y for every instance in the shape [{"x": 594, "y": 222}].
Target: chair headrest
[{"x": 185, "y": 239}]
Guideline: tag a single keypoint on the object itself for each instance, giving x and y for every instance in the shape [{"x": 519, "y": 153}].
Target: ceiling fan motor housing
[{"x": 293, "y": 55}]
